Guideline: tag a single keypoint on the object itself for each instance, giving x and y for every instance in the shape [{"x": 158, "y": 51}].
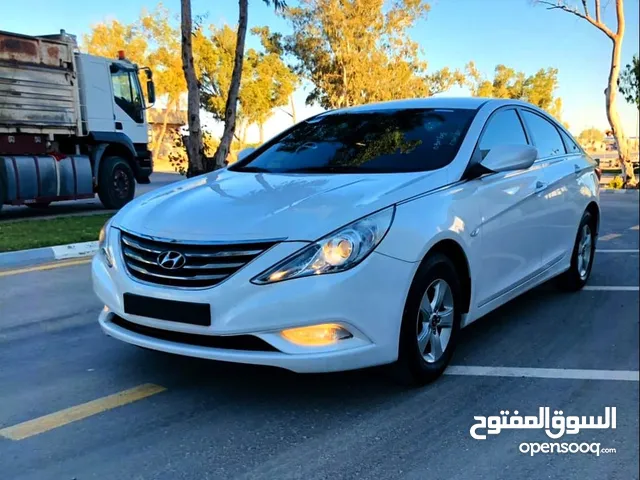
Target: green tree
[
  {"x": 152, "y": 41},
  {"x": 359, "y": 51},
  {"x": 231, "y": 104},
  {"x": 269, "y": 81},
  {"x": 629, "y": 84},
  {"x": 590, "y": 136},
  {"x": 593, "y": 16},
  {"x": 538, "y": 89},
  {"x": 266, "y": 81}
]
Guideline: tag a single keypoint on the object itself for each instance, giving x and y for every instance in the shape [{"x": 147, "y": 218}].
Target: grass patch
[{"x": 26, "y": 234}]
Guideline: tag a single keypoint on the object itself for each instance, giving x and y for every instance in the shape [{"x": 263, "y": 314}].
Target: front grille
[
  {"x": 205, "y": 265},
  {"x": 228, "y": 342}
]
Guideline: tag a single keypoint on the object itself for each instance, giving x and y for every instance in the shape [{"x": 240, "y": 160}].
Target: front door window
[{"x": 126, "y": 94}]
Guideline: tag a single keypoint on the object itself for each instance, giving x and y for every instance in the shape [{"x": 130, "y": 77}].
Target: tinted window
[
  {"x": 375, "y": 142},
  {"x": 571, "y": 146},
  {"x": 504, "y": 128},
  {"x": 545, "y": 135}
]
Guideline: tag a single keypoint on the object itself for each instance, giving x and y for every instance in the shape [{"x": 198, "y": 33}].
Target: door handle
[{"x": 540, "y": 185}]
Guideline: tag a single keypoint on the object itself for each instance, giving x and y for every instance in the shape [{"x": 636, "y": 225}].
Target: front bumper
[{"x": 367, "y": 300}]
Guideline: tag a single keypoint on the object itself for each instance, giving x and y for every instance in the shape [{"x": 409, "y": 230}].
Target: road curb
[
  {"x": 21, "y": 258},
  {"x": 619, "y": 191}
]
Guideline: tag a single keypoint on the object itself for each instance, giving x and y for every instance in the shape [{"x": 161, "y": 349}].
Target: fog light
[{"x": 316, "y": 335}]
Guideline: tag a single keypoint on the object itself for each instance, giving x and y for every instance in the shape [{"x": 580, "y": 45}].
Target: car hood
[{"x": 238, "y": 206}]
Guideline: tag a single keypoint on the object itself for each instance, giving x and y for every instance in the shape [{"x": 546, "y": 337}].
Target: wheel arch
[
  {"x": 594, "y": 210},
  {"x": 454, "y": 252},
  {"x": 111, "y": 144}
]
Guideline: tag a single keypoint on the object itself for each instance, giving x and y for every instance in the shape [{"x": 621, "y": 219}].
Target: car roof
[{"x": 472, "y": 103}]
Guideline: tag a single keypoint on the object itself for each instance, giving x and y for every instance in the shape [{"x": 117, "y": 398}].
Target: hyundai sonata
[{"x": 364, "y": 236}]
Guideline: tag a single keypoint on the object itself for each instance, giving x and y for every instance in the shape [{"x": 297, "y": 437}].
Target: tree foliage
[
  {"x": 538, "y": 89},
  {"x": 629, "y": 83},
  {"x": 359, "y": 51},
  {"x": 152, "y": 41},
  {"x": 590, "y": 136},
  {"x": 266, "y": 81}
]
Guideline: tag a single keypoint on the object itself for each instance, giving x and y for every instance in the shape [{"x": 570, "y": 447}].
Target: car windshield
[{"x": 383, "y": 141}]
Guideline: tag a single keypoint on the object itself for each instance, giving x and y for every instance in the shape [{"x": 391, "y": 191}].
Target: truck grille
[{"x": 203, "y": 266}]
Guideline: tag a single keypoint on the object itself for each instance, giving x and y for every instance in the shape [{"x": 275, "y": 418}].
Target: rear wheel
[
  {"x": 116, "y": 183},
  {"x": 431, "y": 322},
  {"x": 584, "y": 251}
]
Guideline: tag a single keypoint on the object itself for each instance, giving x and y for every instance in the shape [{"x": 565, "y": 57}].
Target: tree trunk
[
  {"x": 293, "y": 110},
  {"x": 194, "y": 145},
  {"x": 232, "y": 98},
  {"x": 261, "y": 129},
  {"x": 611, "y": 92}
]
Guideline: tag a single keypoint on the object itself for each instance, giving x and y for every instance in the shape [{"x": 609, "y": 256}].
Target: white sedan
[{"x": 359, "y": 237}]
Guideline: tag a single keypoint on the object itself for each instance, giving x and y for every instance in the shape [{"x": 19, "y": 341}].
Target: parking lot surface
[{"x": 75, "y": 404}]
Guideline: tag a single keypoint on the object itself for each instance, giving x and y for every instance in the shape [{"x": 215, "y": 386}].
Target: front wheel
[
  {"x": 116, "y": 183},
  {"x": 582, "y": 256},
  {"x": 431, "y": 322}
]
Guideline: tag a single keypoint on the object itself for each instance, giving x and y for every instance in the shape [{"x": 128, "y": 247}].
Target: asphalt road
[
  {"x": 222, "y": 421},
  {"x": 81, "y": 206}
]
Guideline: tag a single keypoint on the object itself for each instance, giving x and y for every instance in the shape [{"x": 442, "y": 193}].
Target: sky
[{"x": 518, "y": 33}]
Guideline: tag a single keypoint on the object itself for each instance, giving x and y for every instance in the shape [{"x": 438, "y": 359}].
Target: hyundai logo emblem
[{"x": 171, "y": 260}]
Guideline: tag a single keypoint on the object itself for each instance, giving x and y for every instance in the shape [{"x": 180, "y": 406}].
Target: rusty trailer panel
[
  {"x": 38, "y": 91},
  {"x": 16, "y": 48}
]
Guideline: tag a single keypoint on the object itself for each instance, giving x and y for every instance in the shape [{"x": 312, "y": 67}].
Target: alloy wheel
[
  {"x": 584, "y": 251},
  {"x": 435, "y": 320}
]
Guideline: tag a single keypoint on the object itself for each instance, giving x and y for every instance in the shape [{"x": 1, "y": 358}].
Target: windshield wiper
[
  {"x": 326, "y": 169},
  {"x": 253, "y": 170}
]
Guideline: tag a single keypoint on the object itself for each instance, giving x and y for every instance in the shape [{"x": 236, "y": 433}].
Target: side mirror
[
  {"x": 245, "y": 153},
  {"x": 504, "y": 158},
  {"x": 151, "y": 92}
]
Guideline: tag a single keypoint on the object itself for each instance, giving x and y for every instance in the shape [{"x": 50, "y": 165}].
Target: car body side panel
[{"x": 560, "y": 198}]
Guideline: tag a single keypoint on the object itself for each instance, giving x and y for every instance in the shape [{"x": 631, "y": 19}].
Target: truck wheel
[{"x": 116, "y": 183}]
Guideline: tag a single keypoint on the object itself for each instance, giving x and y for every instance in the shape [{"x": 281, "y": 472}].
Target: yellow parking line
[
  {"x": 48, "y": 266},
  {"x": 73, "y": 414},
  {"x": 610, "y": 236}
]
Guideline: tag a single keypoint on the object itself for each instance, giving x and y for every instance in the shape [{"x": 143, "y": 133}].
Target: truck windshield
[
  {"x": 383, "y": 141},
  {"x": 127, "y": 94}
]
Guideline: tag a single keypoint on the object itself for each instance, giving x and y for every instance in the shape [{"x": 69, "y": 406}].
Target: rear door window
[
  {"x": 546, "y": 137},
  {"x": 570, "y": 145}
]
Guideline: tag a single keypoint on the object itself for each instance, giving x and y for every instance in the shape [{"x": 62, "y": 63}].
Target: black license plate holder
[{"x": 170, "y": 310}]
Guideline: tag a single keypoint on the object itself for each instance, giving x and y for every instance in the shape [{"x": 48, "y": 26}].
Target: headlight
[
  {"x": 103, "y": 243},
  {"x": 337, "y": 252}
]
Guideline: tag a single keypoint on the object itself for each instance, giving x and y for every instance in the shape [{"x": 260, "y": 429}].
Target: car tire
[
  {"x": 116, "y": 183},
  {"x": 419, "y": 361},
  {"x": 582, "y": 256}
]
